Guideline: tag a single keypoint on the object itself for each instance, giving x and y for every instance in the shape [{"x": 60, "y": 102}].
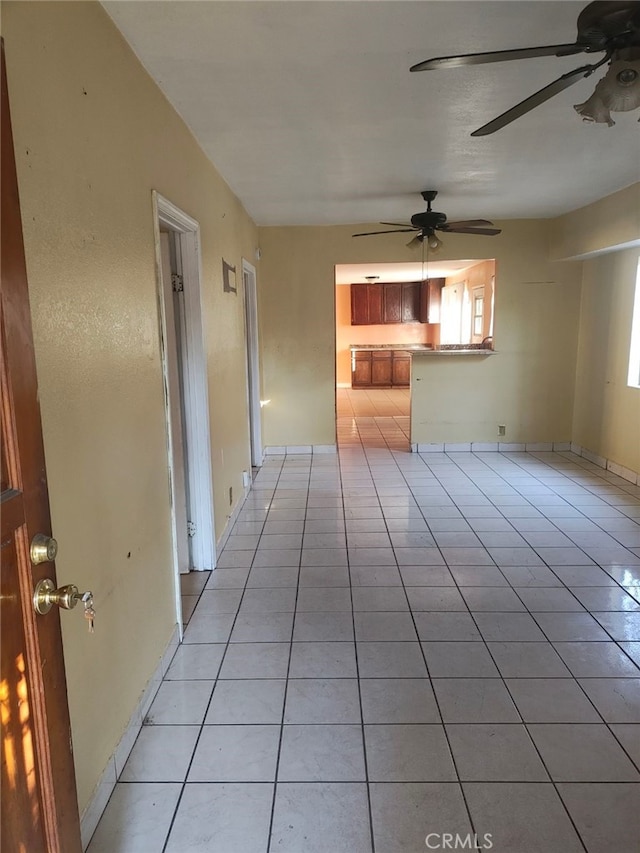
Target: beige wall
[
  {"x": 528, "y": 385},
  {"x": 613, "y": 221},
  {"x": 93, "y": 138},
  {"x": 607, "y": 411}
]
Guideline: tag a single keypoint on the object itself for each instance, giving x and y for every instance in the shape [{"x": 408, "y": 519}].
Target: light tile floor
[{"x": 396, "y": 646}]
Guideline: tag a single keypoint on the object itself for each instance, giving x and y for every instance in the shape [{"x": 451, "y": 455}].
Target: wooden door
[{"x": 39, "y": 804}]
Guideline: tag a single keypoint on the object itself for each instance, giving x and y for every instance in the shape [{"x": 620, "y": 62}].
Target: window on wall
[
  {"x": 466, "y": 315},
  {"x": 634, "y": 350}
]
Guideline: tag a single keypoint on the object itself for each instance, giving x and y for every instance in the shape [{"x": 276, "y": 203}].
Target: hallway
[{"x": 396, "y": 646}]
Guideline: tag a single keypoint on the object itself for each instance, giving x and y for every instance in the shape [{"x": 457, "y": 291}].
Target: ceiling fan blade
[
  {"x": 463, "y": 230},
  {"x": 398, "y": 224},
  {"x": 395, "y": 231},
  {"x": 468, "y": 223},
  {"x": 497, "y": 56},
  {"x": 536, "y": 99}
]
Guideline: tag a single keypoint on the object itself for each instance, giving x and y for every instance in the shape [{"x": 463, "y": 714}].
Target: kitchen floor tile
[
  {"x": 398, "y": 700},
  {"x": 495, "y": 753},
  {"x": 161, "y": 754},
  {"x": 405, "y": 815},
  {"x": 596, "y": 660},
  {"x": 323, "y": 660},
  {"x": 446, "y": 626},
  {"x": 617, "y": 699},
  {"x": 528, "y": 660},
  {"x": 459, "y": 660},
  {"x": 255, "y": 660},
  {"x": 179, "y": 703},
  {"x": 318, "y": 817},
  {"x": 408, "y": 753},
  {"x": 246, "y": 753},
  {"x": 373, "y": 626},
  {"x": 474, "y": 700},
  {"x": 322, "y": 700},
  {"x": 551, "y": 700},
  {"x": 218, "y": 818},
  {"x": 247, "y": 701},
  {"x": 606, "y": 815},
  {"x": 374, "y": 598},
  {"x": 391, "y": 660},
  {"x": 137, "y": 818},
  {"x": 196, "y": 661},
  {"x": 330, "y": 626},
  {"x": 321, "y": 753},
  {"x": 582, "y": 753},
  {"x": 432, "y": 598},
  {"x": 525, "y": 817}
]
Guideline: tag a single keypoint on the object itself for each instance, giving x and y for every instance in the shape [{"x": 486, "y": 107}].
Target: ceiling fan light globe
[{"x": 618, "y": 91}]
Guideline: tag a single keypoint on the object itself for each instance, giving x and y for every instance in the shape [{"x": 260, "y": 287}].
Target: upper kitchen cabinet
[
  {"x": 431, "y": 300},
  {"x": 389, "y": 302},
  {"x": 366, "y": 305}
]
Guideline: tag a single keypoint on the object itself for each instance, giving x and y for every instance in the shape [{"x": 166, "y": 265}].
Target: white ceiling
[
  {"x": 352, "y": 273},
  {"x": 309, "y": 112}
]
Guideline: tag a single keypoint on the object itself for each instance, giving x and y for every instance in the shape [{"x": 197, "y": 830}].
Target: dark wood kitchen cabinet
[
  {"x": 366, "y": 305},
  {"x": 380, "y": 368},
  {"x": 361, "y": 369},
  {"x": 387, "y": 302},
  {"x": 411, "y": 291},
  {"x": 392, "y": 303},
  {"x": 401, "y": 368},
  {"x": 431, "y": 300}
]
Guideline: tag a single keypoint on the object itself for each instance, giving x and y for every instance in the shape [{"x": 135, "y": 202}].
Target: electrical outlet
[
  {"x": 502, "y": 430},
  {"x": 230, "y": 495}
]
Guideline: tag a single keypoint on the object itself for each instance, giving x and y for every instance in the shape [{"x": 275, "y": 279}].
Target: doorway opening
[
  {"x": 178, "y": 263},
  {"x": 253, "y": 362},
  {"x": 384, "y": 313}
]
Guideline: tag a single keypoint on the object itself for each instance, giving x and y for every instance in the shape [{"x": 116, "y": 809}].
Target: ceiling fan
[
  {"x": 605, "y": 25},
  {"x": 426, "y": 224}
]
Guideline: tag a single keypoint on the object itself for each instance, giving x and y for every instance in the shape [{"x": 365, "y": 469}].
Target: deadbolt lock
[{"x": 43, "y": 549}]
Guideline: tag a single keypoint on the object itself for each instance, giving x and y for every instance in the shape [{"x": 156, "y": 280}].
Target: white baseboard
[
  {"x": 294, "y": 449},
  {"x": 231, "y": 520},
  {"x": 531, "y": 447},
  {"x": 602, "y": 462},
  {"x": 93, "y": 812}
]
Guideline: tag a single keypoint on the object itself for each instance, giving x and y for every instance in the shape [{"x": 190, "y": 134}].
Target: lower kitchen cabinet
[
  {"x": 360, "y": 369},
  {"x": 380, "y": 368},
  {"x": 401, "y": 372}
]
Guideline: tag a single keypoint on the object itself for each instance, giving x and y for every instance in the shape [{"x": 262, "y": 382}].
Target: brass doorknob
[{"x": 43, "y": 549}]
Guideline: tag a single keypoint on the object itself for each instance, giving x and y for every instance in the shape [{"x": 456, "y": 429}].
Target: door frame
[
  {"x": 196, "y": 393},
  {"x": 253, "y": 362}
]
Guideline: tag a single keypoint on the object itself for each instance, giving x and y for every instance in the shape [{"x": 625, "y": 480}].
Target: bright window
[{"x": 634, "y": 350}]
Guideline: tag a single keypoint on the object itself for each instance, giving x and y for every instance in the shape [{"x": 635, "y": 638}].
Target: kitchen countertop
[
  {"x": 426, "y": 349},
  {"x": 366, "y": 347}
]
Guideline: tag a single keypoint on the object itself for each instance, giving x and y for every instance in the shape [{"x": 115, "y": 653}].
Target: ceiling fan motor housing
[{"x": 428, "y": 219}]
